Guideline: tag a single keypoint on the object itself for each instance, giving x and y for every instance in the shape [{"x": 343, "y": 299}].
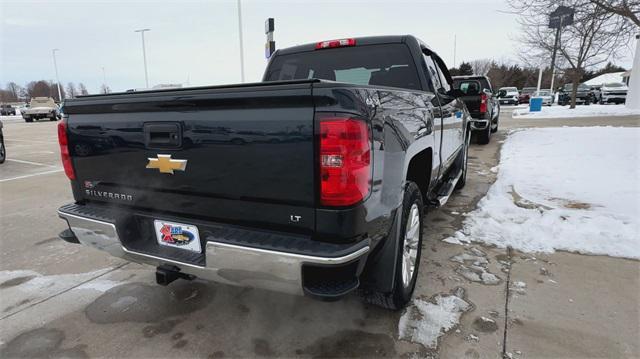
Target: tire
[
  {"x": 463, "y": 162},
  {"x": 404, "y": 281},
  {"x": 3, "y": 150},
  {"x": 482, "y": 138},
  {"x": 28, "y": 119},
  {"x": 494, "y": 130}
]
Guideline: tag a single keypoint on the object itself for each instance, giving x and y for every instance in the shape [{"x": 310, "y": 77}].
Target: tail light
[
  {"x": 345, "y": 161},
  {"x": 483, "y": 102},
  {"x": 64, "y": 150},
  {"x": 335, "y": 43}
]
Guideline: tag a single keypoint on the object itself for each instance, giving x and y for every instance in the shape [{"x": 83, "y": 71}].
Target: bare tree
[
  {"x": 482, "y": 66},
  {"x": 595, "y": 36},
  {"x": 629, "y": 9},
  {"x": 104, "y": 89},
  {"x": 82, "y": 89},
  {"x": 71, "y": 90},
  {"x": 14, "y": 91}
]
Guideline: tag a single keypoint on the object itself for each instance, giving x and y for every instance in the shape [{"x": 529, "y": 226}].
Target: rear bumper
[
  {"x": 330, "y": 274},
  {"x": 479, "y": 124},
  {"x": 614, "y": 98}
]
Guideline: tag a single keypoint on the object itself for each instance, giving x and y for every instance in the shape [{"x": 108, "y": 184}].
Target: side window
[
  {"x": 432, "y": 73},
  {"x": 443, "y": 79}
]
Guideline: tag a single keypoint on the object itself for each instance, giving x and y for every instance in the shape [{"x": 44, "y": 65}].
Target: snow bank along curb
[
  {"x": 579, "y": 111},
  {"x": 574, "y": 189}
]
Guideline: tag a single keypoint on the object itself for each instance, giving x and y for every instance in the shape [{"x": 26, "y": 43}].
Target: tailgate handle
[{"x": 162, "y": 135}]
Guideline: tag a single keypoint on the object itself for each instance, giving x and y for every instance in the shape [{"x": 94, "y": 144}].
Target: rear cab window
[
  {"x": 468, "y": 87},
  {"x": 377, "y": 65}
]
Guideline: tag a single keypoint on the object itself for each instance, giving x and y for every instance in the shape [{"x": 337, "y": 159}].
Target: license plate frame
[{"x": 177, "y": 235}]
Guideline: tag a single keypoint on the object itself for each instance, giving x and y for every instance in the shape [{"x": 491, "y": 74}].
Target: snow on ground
[
  {"x": 424, "y": 321},
  {"x": 580, "y": 111},
  {"x": 575, "y": 189}
]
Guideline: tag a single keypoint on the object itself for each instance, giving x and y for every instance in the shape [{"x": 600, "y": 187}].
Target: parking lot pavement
[{"x": 63, "y": 300}]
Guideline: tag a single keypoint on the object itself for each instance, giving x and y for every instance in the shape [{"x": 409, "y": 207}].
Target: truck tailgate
[{"x": 248, "y": 151}]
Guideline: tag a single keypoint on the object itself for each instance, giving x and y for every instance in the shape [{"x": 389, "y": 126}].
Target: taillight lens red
[
  {"x": 64, "y": 150},
  {"x": 483, "y": 102},
  {"x": 345, "y": 161},
  {"x": 335, "y": 43}
]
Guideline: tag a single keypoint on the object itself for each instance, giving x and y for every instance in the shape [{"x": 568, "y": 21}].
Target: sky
[{"x": 197, "y": 42}]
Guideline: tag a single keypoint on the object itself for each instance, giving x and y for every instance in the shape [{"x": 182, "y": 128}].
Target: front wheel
[
  {"x": 408, "y": 254},
  {"x": 28, "y": 119}
]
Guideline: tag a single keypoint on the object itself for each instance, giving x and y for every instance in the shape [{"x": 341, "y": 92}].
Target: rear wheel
[
  {"x": 3, "y": 151},
  {"x": 28, "y": 119},
  {"x": 408, "y": 254},
  {"x": 484, "y": 136},
  {"x": 463, "y": 162}
]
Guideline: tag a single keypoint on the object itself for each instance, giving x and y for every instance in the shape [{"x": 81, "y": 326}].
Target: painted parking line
[
  {"x": 32, "y": 175},
  {"x": 31, "y": 163},
  {"x": 32, "y": 141}
]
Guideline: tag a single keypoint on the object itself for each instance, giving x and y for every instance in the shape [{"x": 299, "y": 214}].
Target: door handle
[{"x": 163, "y": 135}]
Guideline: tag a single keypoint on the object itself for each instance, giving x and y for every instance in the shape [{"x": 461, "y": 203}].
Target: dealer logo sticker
[{"x": 179, "y": 235}]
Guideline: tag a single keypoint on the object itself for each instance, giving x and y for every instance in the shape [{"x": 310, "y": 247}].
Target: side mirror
[
  {"x": 487, "y": 91},
  {"x": 456, "y": 93}
]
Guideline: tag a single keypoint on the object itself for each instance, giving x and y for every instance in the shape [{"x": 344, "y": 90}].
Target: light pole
[
  {"x": 241, "y": 46},
  {"x": 55, "y": 66},
  {"x": 144, "y": 56}
]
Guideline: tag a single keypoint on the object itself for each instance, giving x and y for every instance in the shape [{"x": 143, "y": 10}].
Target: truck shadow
[{"x": 245, "y": 322}]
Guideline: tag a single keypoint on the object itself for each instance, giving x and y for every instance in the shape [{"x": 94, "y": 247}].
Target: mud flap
[{"x": 379, "y": 273}]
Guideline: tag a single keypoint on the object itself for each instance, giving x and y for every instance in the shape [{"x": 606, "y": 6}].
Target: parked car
[
  {"x": 525, "y": 94},
  {"x": 7, "y": 110},
  {"x": 3, "y": 151},
  {"x": 508, "y": 95},
  {"x": 40, "y": 107},
  {"x": 583, "y": 96},
  {"x": 546, "y": 95},
  {"x": 380, "y": 135},
  {"x": 613, "y": 92},
  {"x": 482, "y": 104}
]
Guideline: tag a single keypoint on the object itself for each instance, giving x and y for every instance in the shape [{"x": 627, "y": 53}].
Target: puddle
[
  {"x": 426, "y": 321},
  {"x": 349, "y": 344},
  {"x": 41, "y": 343},
  {"x": 136, "y": 302},
  {"x": 485, "y": 325},
  {"x": 16, "y": 281}
]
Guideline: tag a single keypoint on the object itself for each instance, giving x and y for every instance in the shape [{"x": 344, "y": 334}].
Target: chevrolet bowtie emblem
[{"x": 165, "y": 164}]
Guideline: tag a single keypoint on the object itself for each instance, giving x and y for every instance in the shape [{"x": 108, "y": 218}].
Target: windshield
[
  {"x": 543, "y": 93},
  {"x": 383, "y": 65},
  {"x": 528, "y": 90}
]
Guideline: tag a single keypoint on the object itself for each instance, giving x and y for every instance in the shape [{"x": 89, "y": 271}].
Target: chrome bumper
[{"x": 225, "y": 263}]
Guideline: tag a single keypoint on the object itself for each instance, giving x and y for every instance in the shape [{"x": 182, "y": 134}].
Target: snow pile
[
  {"x": 575, "y": 189},
  {"x": 579, "y": 111},
  {"x": 425, "y": 322}
]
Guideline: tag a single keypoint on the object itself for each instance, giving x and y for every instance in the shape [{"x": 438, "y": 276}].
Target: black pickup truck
[
  {"x": 482, "y": 103},
  {"x": 311, "y": 182}
]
